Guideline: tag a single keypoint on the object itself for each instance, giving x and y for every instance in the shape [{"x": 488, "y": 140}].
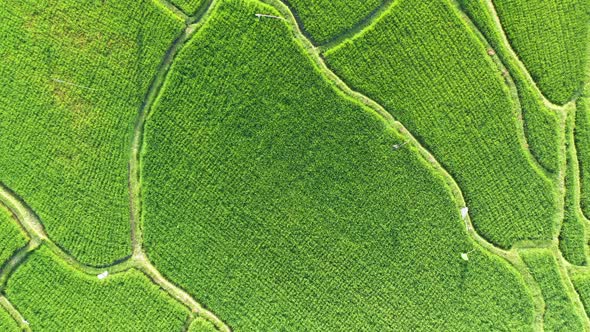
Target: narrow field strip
[{"x": 573, "y": 240}]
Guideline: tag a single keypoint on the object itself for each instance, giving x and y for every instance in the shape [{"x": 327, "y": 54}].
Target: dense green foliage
[
  {"x": 421, "y": 63},
  {"x": 560, "y": 313},
  {"x": 7, "y": 323},
  {"x": 12, "y": 237},
  {"x": 189, "y": 7},
  {"x": 581, "y": 281},
  {"x": 202, "y": 325},
  {"x": 583, "y": 148},
  {"x": 55, "y": 297},
  {"x": 541, "y": 125},
  {"x": 281, "y": 204},
  {"x": 324, "y": 20},
  {"x": 572, "y": 239},
  {"x": 72, "y": 79},
  {"x": 551, "y": 38}
]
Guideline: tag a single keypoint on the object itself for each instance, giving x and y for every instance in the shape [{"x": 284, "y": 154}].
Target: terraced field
[{"x": 301, "y": 165}]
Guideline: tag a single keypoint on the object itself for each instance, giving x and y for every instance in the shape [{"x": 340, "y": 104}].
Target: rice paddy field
[{"x": 294, "y": 165}]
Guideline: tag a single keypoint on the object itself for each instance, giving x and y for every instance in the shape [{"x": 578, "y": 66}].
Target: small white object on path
[
  {"x": 25, "y": 322},
  {"x": 269, "y": 16},
  {"x": 464, "y": 212},
  {"x": 103, "y": 275},
  {"x": 397, "y": 146}
]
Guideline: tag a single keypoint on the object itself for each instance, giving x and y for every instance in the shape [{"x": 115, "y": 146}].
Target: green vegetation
[
  {"x": 202, "y": 325},
  {"x": 582, "y": 133},
  {"x": 282, "y": 205},
  {"x": 572, "y": 240},
  {"x": 189, "y": 7},
  {"x": 325, "y": 20},
  {"x": 55, "y": 297},
  {"x": 72, "y": 79},
  {"x": 581, "y": 281},
  {"x": 560, "y": 312},
  {"x": 11, "y": 235},
  {"x": 551, "y": 38},
  {"x": 541, "y": 125},
  {"x": 421, "y": 63},
  {"x": 7, "y": 323}
]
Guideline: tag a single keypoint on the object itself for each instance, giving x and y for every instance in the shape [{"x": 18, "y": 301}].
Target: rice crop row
[{"x": 283, "y": 205}]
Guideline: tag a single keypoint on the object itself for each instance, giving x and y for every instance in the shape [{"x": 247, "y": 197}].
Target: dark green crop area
[
  {"x": 421, "y": 62},
  {"x": 72, "y": 77},
  {"x": 264, "y": 184},
  {"x": 550, "y": 36},
  {"x": 582, "y": 139},
  {"x": 294, "y": 165},
  {"x": 55, "y": 297}
]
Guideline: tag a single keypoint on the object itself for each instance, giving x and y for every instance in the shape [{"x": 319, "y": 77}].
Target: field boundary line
[
  {"x": 512, "y": 53},
  {"x": 510, "y": 256},
  {"x": 15, "y": 314},
  {"x": 359, "y": 28},
  {"x": 139, "y": 259},
  {"x": 179, "y": 13}
]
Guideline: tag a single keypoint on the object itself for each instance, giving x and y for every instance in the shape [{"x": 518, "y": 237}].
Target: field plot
[
  {"x": 12, "y": 237},
  {"x": 281, "y": 204},
  {"x": 560, "y": 312},
  {"x": 72, "y": 79},
  {"x": 324, "y": 20},
  {"x": 583, "y": 148},
  {"x": 551, "y": 38},
  {"x": 572, "y": 239},
  {"x": 421, "y": 63},
  {"x": 541, "y": 125},
  {"x": 54, "y": 297},
  {"x": 189, "y": 7}
]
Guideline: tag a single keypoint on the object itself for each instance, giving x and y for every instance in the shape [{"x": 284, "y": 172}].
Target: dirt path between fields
[{"x": 139, "y": 258}]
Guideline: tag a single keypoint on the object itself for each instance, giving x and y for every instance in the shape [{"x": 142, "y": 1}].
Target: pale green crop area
[{"x": 294, "y": 165}]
